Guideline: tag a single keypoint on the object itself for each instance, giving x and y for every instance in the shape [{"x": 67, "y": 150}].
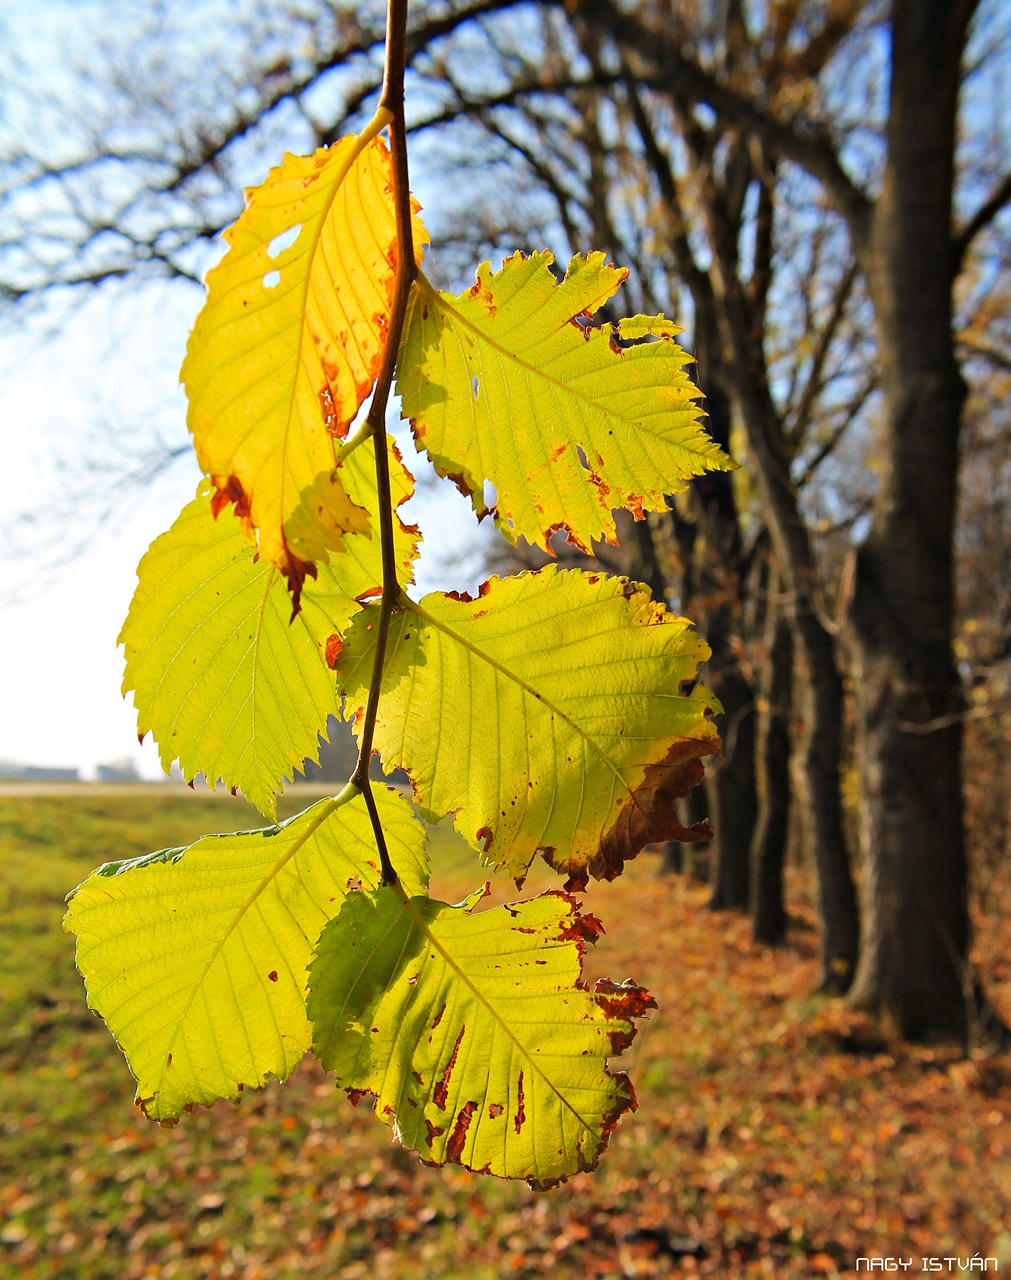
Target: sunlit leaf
[
  {"x": 505, "y": 383},
  {"x": 473, "y": 1031},
  {"x": 196, "y": 958},
  {"x": 227, "y": 681},
  {"x": 288, "y": 345},
  {"x": 556, "y": 714}
]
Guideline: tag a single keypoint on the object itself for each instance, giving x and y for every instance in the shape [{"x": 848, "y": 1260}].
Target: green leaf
[
  {"x": 196, "y": 958},
  {"x": 552, "y": 715},
  {"x": 228, "y": 686},
  {"x": 503, "y": 384},
  {"x": 474, "y": 1031},
  {"x": 288, "y": 345}
]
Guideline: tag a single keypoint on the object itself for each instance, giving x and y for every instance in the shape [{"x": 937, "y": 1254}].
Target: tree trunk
[
  {"x": 740, "y": 317},
  {"x": 837, "y": 903},
  {"x": 731, "y": 782},
  {"x": 735, "y": 797},
  {"x": 914, "y": 965},
  {"x": 768, "y": 911}
]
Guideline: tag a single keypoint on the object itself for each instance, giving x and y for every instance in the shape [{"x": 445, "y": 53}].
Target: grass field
[{"x": 776, "y": 1135}]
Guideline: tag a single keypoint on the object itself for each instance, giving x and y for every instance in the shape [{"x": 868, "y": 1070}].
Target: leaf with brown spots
[
  {"x": 228, "y": 682},
  {"x": 288, "y": 345},
  {"x": 507, "y": 383},
  {"x": 566, "y": 731},
  {"x": 495, "y": 1057}
]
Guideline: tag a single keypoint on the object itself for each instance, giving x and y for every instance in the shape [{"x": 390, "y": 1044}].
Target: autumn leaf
[
  {"x": 225, "y": 682},
  {"x": 473, "y": 1030},
  {"x": 196, "y": 957},
  {"x": 506, "y": 383},
  {"x": 556, "y": 714},
  {"x": 288, "y": 345}
]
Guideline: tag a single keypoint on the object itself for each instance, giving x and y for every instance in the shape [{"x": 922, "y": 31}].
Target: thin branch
[
  {"x": 698, "y": 282},
  {"x": 761, "y": 276},
  {"x": 392, "y": 102},
  {"x": 861, "y": 398},
  {"x": 984, "y": 215},
  {"x": 291, "y": 87},
  {"x": 513, "y": 96},
  {"x": 945, "y": 722},
  {"x": 541, "y": 171},
  {"x": 973, "y": 348},
  {"x": 658, "y": 61},
  {"x": 815, "y": 383}
]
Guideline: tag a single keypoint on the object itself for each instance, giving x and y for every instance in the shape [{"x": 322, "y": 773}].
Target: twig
[
  {"x": 945, "y": 722},
  {"x": 392, "y": 100}
]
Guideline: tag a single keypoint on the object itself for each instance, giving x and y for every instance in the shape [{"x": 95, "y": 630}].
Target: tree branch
[
  {"x": 984, "y": 215},
  {"x": 392, "y": 101},
  {"x": 815, "y": 384},
  {"x": 658, "y": 62},
  {"x": 859, "y": 400}
]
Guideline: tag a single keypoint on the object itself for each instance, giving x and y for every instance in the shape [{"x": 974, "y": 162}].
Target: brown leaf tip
[
  {"x": 581, "y": 928},
  {"x": 649, "y": 815},
  {"x": 571, "y": 537},
  {"x": 228, "y": 489},
  {"x": 622, "y": 999},
  {"x": 295, "y": 571}
]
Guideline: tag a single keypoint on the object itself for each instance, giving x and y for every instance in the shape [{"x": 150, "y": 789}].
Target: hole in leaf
[
  {"x": 271, "y": 279},
  {"x": 582, "y": 458},
  {"x": 284, "y": 241},
  {"x": 489, "y": 494},
  {"x": 475, "y": 384}
]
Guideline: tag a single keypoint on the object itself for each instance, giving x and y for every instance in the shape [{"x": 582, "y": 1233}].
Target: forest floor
[{"x": 778, "y": 1134}]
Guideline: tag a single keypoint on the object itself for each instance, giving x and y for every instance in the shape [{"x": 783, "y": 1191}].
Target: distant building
[{"x": 12, "y": 772}]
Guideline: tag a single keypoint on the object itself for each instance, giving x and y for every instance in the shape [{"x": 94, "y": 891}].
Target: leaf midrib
[
  {"x": 424, "y": 927},
  {"x": 446, "y": 302},
  {"x": 447, "y": 630}
]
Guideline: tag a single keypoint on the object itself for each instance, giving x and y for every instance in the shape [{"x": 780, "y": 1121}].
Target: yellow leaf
[
  {"x": 507, "y": 383},
  {"x": 289, "y": 343},
  {"x": 475, "y": 1031},
  {"x": 556, "y": 714},
  {"x": 196, "y": 958},
  {"x": 230, "y": 684}
]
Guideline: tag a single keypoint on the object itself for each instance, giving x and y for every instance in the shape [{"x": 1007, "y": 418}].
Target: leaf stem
[
  {"x": 391, "y": 101},
  {"x": 364, "y": 432}
]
